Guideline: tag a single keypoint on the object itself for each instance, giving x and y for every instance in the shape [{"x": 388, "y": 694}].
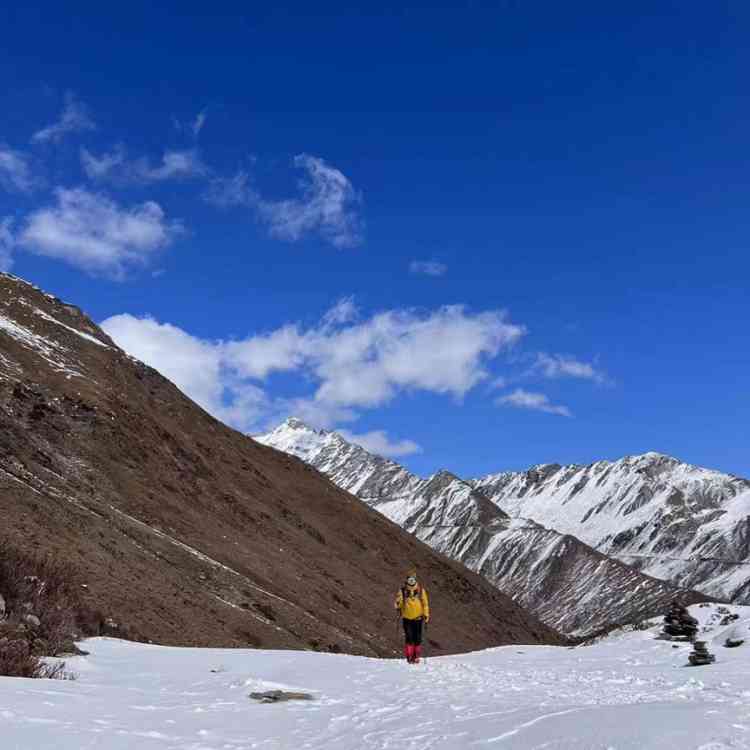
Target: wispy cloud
[
  {"x": 15, "y": 173},
  {"x": 328, "y": 205},
  {"x": 102, "y": 166},
  {"x": 194, "y": 126},
  {"x": 344, "y": 311},
  {"x": 7, "y": 241},
  {"x": 229, "y": 192},
  {"x": 522, "y": 399},
  {"x": 565, "y": 365},
  {"x": 116, "y": 167},
  {"x": 198, "y": 123},
  {"x": 428, "y": 267},
  {"x": 379, "y": 443},
  {"x": 74, "y": 118},
  {"x": 92, "y": 232}
]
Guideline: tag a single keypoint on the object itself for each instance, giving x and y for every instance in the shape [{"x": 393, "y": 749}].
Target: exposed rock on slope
[
  {"x": 566, "y": 583},
  {"x": 188, "y": 532},
  {"x": 667, "y": 518}
]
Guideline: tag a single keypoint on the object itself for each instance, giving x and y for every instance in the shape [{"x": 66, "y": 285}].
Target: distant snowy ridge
[
  {"x": 671, "y": 520},
  {"x": 563, "y": 581}
]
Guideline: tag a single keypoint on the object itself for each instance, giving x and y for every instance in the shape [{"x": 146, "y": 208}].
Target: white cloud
[
  {"x": 344, "y": 311},
  {"x": 257, "y": 357},
  {"x": 194, "y": 126},
  {"x": 101, "y": 167},
  {"x": 563, "y": 365},
  {"x": 328, "y": 205},
  {"x": 198, "y": 123},
  {"x": 7, "y": 241},
  {"x": 522, "y": 399},
  {"x": 428, "y": 267},
  {"x": 379, "y": 443},
  {"x": 227, "y": 192},
  {"x": 351, "y": 364},
  {"x": 365, "y": 364},
  {"x": 174, "y": 164},
  {"x": 193, "y": 365},
  {"x": 115, "y": 166},
  {"x": 92, "y": 232},
  {"x": 74, "y": 118},
  {"x": 15, "y": 173}
]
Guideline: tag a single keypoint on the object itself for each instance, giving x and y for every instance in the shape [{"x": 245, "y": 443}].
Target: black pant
[{"x": 413, "y": 631}]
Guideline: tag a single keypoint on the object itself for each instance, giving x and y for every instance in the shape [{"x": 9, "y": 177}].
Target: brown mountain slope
[{"x": 187, "y": 531}]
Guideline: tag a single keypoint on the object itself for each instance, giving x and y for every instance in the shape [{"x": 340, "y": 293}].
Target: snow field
[{"x": 626, "y": 692}]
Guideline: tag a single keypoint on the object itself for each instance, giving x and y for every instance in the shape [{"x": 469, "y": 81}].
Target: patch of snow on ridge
[
  {"x": 19, "y": 280},
  {"x": 85, "y": 336},
  {"x": 9, "y": 365},
  {"x": 50, "y": 351}
]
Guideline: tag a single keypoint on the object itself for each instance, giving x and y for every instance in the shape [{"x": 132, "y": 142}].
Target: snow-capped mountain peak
[
  {"x": 671, "y": 519},
  {"x": 298, "y": 439},
  {"x": 565, "y": 582}
]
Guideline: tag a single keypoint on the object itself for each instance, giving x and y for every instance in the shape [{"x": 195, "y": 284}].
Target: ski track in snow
[{"x": 627, "y": 692}]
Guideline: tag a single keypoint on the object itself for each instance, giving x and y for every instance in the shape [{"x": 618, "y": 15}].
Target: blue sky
[{"x": 478, "y": 235}]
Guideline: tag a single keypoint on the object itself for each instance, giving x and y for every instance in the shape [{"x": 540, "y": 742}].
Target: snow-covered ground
[{"x": 627, "y": 691}]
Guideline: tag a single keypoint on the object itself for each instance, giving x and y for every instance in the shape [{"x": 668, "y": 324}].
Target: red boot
[
  {"x": 416, "y": 654},
  {"x": 409, "y": 652}
]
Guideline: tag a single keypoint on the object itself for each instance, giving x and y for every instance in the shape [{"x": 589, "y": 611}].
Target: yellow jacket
[{"x": 415, "y": 604}]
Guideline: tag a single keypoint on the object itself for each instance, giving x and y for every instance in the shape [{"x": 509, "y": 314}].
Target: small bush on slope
[{"x": 40, "y": 612}]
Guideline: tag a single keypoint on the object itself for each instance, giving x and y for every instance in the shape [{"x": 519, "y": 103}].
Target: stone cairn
[
  {"x": 700, "y": 655},
  {"x": 679, "y": 624}
]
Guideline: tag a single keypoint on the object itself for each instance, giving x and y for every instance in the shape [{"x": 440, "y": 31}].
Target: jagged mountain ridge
[
  {"x": 190, "y": 533},
  {"x": 669, "y": 519},
  {"x": 566, "y": 583}
]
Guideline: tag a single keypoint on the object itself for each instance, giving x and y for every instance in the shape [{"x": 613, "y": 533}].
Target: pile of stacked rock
[
  {"x": 679, "y": 623},
  {"x": 700, "y": 654}
]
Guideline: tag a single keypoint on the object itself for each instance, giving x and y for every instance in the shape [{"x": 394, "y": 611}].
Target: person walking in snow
[{"x": 413, "y": 607}]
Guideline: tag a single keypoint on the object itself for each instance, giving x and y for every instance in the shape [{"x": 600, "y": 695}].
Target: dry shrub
[
  {"x": 18, "y": 660},
  {"x": 43, "y": 587}
]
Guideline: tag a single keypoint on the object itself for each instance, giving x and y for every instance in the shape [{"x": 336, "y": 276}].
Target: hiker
[{"x": 413, "y": 606}]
